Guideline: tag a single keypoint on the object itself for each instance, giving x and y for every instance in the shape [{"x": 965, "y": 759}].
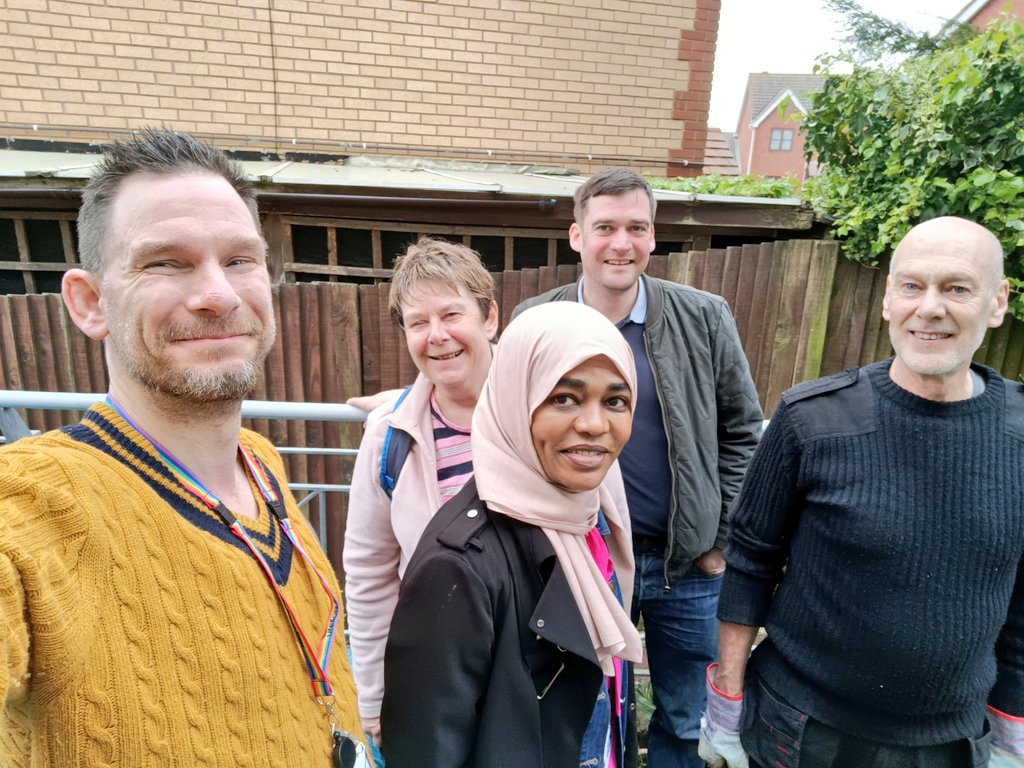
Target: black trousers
[{"x": 778, "y": 736}]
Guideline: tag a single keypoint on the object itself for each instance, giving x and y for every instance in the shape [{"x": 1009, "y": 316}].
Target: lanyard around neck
[{"x": 316, "y": 659}]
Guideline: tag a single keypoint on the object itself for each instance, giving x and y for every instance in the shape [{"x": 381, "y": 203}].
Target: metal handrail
[
  {"x": 251, "y": 409},
  {"x": 13, "y": 427}
]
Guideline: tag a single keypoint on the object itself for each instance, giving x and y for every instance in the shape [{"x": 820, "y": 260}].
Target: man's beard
[{"x": 197, "y": 385}]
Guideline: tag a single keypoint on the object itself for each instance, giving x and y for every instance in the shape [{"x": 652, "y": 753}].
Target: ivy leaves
[{"x": 940, "y": 133}]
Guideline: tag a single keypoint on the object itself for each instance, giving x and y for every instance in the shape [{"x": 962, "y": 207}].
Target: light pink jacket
[{"x": 381, "y": 534}]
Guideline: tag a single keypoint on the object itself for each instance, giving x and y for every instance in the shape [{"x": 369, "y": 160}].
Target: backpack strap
[{"x": 397, "y": 443}]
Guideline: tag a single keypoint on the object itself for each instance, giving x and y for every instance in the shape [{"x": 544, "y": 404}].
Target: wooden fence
[{"x": 802, "y": 311}]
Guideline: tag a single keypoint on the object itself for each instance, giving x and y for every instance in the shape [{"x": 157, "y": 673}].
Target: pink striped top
[{"x": 452, "y": 451}]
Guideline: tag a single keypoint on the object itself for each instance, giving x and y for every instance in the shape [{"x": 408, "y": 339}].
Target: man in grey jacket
[{"x": 696, "y": 426}]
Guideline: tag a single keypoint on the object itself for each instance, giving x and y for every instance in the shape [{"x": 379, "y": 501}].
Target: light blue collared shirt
[{"x": 638, "y": 314}]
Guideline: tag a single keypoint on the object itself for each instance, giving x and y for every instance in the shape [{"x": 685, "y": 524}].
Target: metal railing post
[{"x": 12, "y": 426}]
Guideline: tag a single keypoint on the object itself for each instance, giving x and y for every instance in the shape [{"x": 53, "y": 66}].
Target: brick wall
[
  {"x": 547, "y": 81},
  {"x": 696, "y": 46},
  {"x": 765, "y": 161}
]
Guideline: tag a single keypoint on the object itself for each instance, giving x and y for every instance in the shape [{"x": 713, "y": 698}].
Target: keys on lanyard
[
  {"x": 346, "y": 750},
  {"x": 349, "y": 752}
]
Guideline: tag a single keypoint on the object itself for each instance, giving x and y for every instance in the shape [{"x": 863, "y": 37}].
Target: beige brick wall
[{"x": 546, "y": 81}]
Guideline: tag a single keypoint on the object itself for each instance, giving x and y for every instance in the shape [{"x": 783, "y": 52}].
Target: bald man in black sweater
[{"x": 878, "y": 538}]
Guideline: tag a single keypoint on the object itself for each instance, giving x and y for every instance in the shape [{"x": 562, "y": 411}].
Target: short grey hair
[{"x": 156, "y": 151}]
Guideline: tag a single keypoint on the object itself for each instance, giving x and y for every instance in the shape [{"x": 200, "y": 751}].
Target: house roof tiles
[
  {"x": 765, "y": 87},
  {"x": 719, "y": 153}
]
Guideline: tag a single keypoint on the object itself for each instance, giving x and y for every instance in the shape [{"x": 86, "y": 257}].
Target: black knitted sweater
[{"x": 878, "y": 537}]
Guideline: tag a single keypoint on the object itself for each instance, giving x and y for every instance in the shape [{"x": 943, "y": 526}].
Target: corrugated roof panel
[{"x": 358, "y": 172}]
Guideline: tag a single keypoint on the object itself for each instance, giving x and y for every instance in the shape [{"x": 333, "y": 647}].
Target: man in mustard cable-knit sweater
[{"x": 139, "y": 627}]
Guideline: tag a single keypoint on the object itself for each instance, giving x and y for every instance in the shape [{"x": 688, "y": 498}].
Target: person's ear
[
  {"x": 491, "y": 323},
  {"x": 1002, "y": 302},
  {"x": 81, "y": 291},
  {"x": 576, "y": 237},
  {"x": 886, "y": 297}
]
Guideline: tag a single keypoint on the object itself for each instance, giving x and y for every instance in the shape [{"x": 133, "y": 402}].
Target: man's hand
[
  {"x": 719, "y": 744},
  {"x": 372, "y": 727},
  {"x": 711, "y": 562},
  {"x": 369, "y": 402}
]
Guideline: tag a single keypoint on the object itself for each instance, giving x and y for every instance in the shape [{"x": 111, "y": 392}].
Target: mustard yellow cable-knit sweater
[{"x": 135, "y": 630}]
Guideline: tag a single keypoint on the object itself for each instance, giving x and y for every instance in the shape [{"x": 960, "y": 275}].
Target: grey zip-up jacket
[{"x": 712, "y": 413}]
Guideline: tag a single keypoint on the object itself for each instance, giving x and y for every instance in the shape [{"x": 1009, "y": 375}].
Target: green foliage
[
  {"x": 937, "y": 134},
  {"x": 738, "y": 186}
]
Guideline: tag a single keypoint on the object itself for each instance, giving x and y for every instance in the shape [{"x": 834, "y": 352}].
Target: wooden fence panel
[
  {"x": 714, "y": 268},
  {"x": 290, "y": 341},
  {"x": 814, "y": 321},
  {"x": 731, "y": 263},
  {"x": 368, "y": 317},
  {"x": 755, "y": 339},
  {"x": 310, "y": 358},
  {"x": 48, "y": 358},
  {"x": 389, "y": 363},
  {"x": 341, "y": 378},
  {"x": 783, "y": 334},
  {"x": 695, "y": 265},
  {"x": 658, "y": 267},
  {"x": 742, "y": 306},
  {"x": 876, "y": 337},
  {"x": 773, "y": 295},
  {"x": 1013, "y": 364},
  {"x": 508, "y": 296}
]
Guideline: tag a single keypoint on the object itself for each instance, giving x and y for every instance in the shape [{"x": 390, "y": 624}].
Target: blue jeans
[{"x": 682, "y": 639}]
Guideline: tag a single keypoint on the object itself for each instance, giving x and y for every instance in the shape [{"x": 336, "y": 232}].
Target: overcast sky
[{"x": 785, "y": 36}]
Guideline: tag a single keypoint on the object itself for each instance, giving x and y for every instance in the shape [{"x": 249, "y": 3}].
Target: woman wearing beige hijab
[{"x": 508, "y": 643}]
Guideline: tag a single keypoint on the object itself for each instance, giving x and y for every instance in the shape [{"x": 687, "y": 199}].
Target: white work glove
[
  {"x": 1007, "y": 740},
  {"x": 719, "y": 744}
]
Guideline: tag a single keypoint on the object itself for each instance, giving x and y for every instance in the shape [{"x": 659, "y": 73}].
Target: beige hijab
[{"x": 535, "y": 352}]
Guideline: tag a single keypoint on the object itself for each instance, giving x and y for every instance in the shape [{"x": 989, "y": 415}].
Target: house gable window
[{"x": 782, "y": 139}]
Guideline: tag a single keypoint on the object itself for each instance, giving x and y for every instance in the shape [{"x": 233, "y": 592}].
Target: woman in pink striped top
[{"x": 443, "y": 299}]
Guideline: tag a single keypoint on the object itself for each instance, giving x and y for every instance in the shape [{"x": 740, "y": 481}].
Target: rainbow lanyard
[{"x": 316, "y": 660}]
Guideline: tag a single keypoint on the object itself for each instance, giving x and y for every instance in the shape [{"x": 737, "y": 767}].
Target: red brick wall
[
  {"x": 696, "y": 45},
  {"x": 777, "y": 163},
  {"x": 996, "y": 8}
]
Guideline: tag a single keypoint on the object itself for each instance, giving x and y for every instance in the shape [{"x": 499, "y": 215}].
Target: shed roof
[{"x": 402, "y": 188}]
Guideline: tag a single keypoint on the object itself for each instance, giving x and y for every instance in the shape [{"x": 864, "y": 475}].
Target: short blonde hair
[{"x": 451, "y": 264}]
